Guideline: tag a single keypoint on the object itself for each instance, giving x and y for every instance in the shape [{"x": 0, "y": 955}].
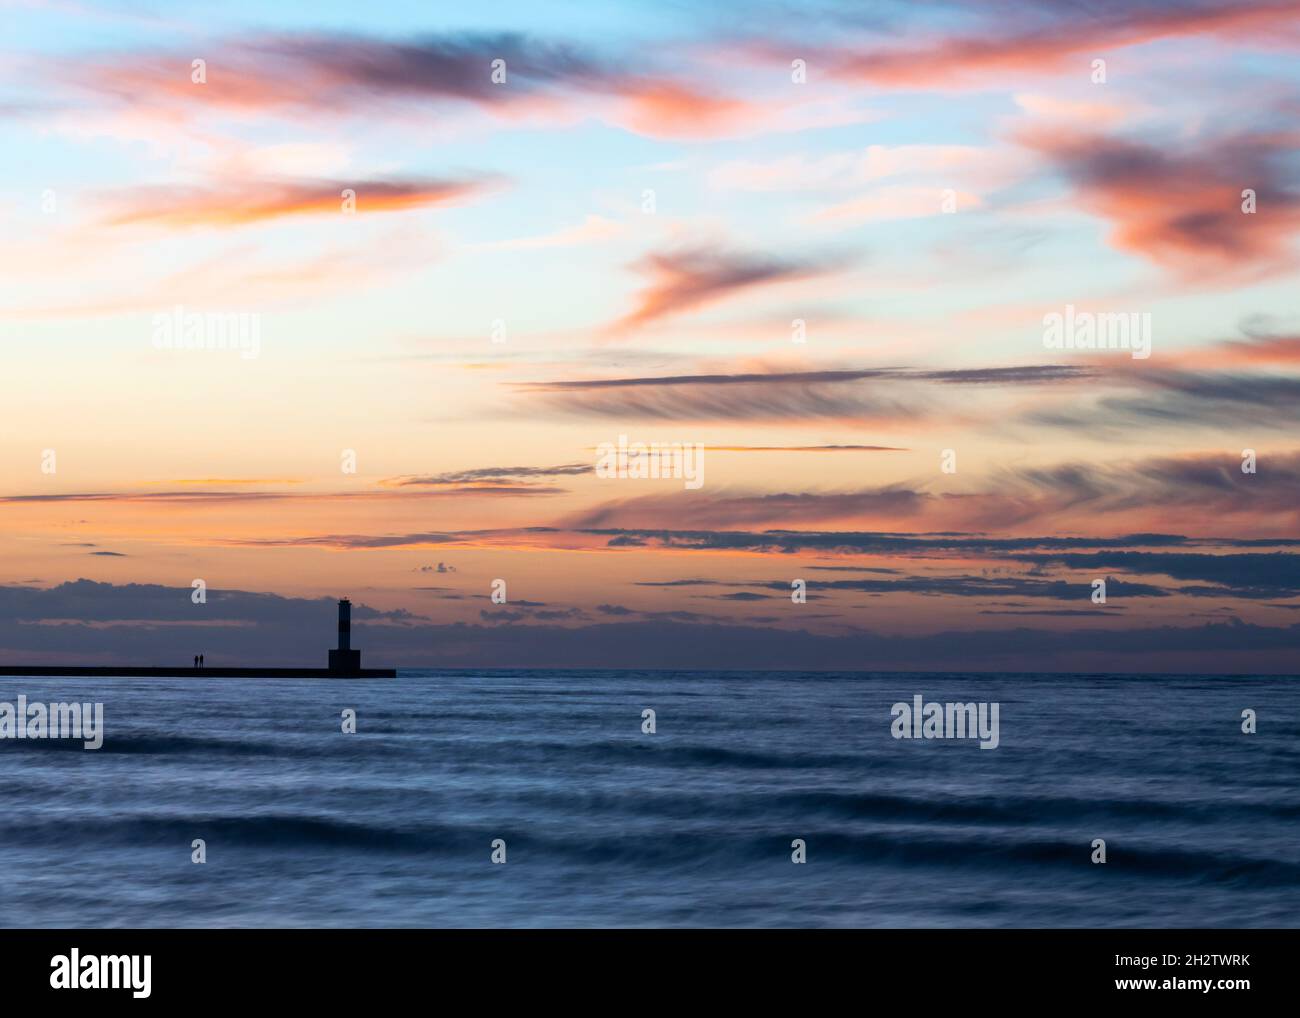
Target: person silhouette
[
  {"x": 200, "y": 660},
  {"x": 196, "y": 660}
]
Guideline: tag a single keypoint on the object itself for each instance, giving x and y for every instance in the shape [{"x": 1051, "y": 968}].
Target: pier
[{"x": 344, "y": 663}]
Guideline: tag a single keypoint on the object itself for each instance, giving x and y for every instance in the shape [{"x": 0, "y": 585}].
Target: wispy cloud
[
  {"x": 690, "y": 278},
  {"x": 1075, "y": 493},
  {"x": 805, "y": 448},
  {"x": 512, "y": 74},
  {"x": 1183, "y": 399},
  {"x": 1051, "y": 38},
  {"x": 868, "y": 394},
  {"x": 256, "y": 201},
  {"x": 491, "y": 476}
]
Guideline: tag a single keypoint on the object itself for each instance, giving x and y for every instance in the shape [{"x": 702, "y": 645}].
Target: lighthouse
[{"x": 344, "y": 660}]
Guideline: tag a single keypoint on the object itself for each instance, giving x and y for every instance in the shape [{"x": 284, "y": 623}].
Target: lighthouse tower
[{"x": 344, "y": 660}]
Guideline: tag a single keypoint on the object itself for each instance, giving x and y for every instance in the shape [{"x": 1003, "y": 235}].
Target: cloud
[
  {"x": 281, "y": 631},
  {"x": 247, "y": 275},
  {"x": 805, "y": 448},
  {"x": 151, "y": 496},
  {"x": 1185, "y": 399},
  {"x": 1182, "y": 208},
  {"x": 1076, "y": 493},
  {"x": 350, "y": 541},
  {"x": 508, "y": 73},
  {"x": 479, "y": 475},
  {"x": 681, "y": 583},
  {"x": 342, "y": 72},
  {"x": 88, "y": 601},
  {"x": 1098, "y": 611},
  {"x": 690, "y": 278},
  {"x": 747, "y": 397},
  {"x": 1092, "y": 112},
  {"x": 1258, "y": 350},
  {"x": 884, "y": 543},
  {"x": 788, "y": 542},
  {"x": 753, "y": 510},
  {"x": 985, "y": 586},
  {"x": 671, "y": 109},
  {"x": 257, "y": 201},
  {"x": 1208, "y": 479},
  {"x": 1207, "y": 493},
  {"x": 1243, "y": 574},
  {"x": 1263, "y": 341},
  {"x": 782, "y": 395},
  {"x": 1043, "y": 40},
  {"x": 235, "y": 497}
]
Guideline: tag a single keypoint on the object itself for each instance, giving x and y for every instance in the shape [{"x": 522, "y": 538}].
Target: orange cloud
[
  {"x": 672, "y": 110},
  {"x": 1186, "y": 210},
  {"x": 1264, "y": 350},
  {"x": 263, "y": 200}
]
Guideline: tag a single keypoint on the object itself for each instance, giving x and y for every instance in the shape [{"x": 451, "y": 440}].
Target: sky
[{"x": 979, "y": 321}]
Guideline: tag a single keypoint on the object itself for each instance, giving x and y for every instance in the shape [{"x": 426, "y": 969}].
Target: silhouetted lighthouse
[
  {"x": 345, "y": 660},
  {"x": 345, "y": 663},
  {"x": 345, "y": 624}
]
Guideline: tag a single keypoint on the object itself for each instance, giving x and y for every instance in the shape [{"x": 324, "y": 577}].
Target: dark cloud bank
[{"x": 154, "y": 625}]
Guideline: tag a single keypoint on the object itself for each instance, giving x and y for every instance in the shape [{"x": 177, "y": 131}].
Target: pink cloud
[{"x": 945, "y": 62}]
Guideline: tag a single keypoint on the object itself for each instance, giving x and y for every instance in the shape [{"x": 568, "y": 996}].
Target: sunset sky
[{"x": 619, "y": 239}]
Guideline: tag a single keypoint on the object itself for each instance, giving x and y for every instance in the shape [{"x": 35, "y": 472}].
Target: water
[{"x": 603, "y": 825}]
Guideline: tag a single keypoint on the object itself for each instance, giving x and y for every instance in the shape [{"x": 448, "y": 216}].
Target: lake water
[{"x": 605, "y": 825}]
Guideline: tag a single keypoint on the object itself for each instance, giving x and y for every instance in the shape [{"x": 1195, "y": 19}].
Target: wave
[
  {"x": 155, "y": 744},
  {"x": 718, "y": 850},
  {"x": 1019, "y": 809}
]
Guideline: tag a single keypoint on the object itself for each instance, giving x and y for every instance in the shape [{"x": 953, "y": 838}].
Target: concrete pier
[{"x": 344, "y": 663}]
